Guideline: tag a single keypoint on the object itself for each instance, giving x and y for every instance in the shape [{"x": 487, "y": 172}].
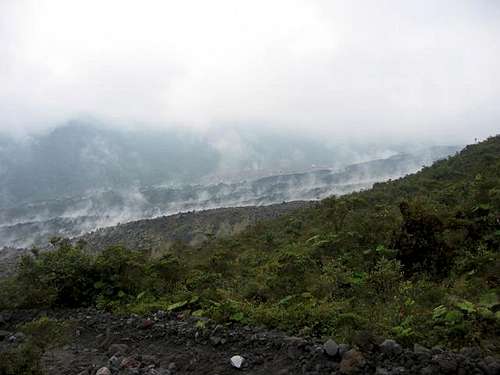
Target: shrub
[
  {"x": 61, "y": 277},
  {"x": 25, "y": 359},
  {"x": 419, "y": 242},
  {"x": 42, "y": 334}
]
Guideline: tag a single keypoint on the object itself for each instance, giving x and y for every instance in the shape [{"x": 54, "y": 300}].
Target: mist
[
  {"x": 341, "y": 69},
  {"x": 124, "y": 109}
]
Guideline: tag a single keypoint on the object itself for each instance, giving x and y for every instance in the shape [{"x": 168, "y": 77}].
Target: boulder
[
  {"x": 391, "y": 347},
  {"x": 446, "y": 362},
  {"x": 352, "y": 361},
  {"x": 343, "y": 348},
  {"x": 114, "y": 362},
  {"x": 490, "y": 366},
  {"x": 331, "y": 348}
]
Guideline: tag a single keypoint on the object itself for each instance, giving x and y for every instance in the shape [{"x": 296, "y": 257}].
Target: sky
[{"x": 351, "y": 68}]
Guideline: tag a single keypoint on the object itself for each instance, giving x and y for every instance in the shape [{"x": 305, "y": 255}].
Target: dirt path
[{"x": 167, "y": 344}]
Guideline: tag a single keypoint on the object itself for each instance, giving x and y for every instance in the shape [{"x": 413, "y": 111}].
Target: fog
[
  {"x": 36, "y": 222},
  {"x": 346, "y": 69},
  {"x": 117, "y": 110}
]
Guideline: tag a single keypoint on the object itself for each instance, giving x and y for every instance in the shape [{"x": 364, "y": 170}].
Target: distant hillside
[
  {"x": 151, "y": 235},
  {"x": 190, "y": 228},
  {"x": 415, "y": 259},
  {"x": 85, "y": 156},
  {"x": 82, "y": 156},
  {"x": 35, "y": 223}
]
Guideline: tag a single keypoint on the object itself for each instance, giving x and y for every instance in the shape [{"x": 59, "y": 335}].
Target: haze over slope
[
  {"x": 79, "y": 178},
  {"x": 84, "y": 156},
  {"x": 146, "y": 112}
]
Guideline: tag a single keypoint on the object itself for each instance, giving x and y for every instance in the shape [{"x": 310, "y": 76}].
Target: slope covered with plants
[{"x": 416, "y": 259}]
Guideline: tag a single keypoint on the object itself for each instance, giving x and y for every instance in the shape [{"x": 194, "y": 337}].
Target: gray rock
[
  {"x": 419, "y": 349},
  {"x": 447, "y": 363},
  {"x": 471, "y": 352},
  {"x": 130, "y": 363},
  {"x": 218, "y": 328},
  {"x": 391, "y": 347},
  {"x": 5, "y": 317},
  {"x": 293, "y": 352},
  {"x": 114, "y": 362},
  {"x": 160, "y": 314},
  {"x": 149, "y": 360},
  {"x": 103, "y": 371},
  {"x": 318, "y": 349},
  {"x": 490, "y": 366},
  {"x": 118, "y": 349},
  {"x": 20, "y": 337},
  {"x": 343, "y": 348},
  {"x": 437, "y": 350},
  {"x": 215, "y": 340},
  {"x": 382, "y": 371},
  {"x": 331, "y": 348}
]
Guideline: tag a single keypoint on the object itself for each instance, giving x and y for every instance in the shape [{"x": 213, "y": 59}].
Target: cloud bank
[{"x": 335, "y": 68}]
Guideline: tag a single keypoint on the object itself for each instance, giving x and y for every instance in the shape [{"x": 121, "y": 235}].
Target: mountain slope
[
  {"x": 416, "y": 259},
  {"x": 189, "y": 228},
  {"x": 84, "y": 156},
  {"x": 30, "y": 224}
]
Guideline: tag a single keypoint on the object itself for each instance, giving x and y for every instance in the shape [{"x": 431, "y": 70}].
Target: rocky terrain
[
  {"x": 346, "y": 269},
  {"x": 191, "y": 228},
  {"x": 159, "y": 234},
  {"x": 172, "y": 343}
]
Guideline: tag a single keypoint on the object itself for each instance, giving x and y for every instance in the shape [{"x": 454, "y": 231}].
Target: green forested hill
[{"x": 416, "y": 259}]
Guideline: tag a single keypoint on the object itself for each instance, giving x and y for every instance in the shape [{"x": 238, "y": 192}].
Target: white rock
[
  {"x": 237, "y": 361},
  {"x": 103, "y": 371}
]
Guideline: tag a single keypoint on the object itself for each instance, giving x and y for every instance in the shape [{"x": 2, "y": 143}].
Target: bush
[
  {"x": 25, "y": 359},
  {"x": 62, "y": 277},
  {"x": 42, "y": 334},
  {"x": 419, "y": 241}
]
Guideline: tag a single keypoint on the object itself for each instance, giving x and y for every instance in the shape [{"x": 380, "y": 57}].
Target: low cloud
[{"x": 380, "y": 68}]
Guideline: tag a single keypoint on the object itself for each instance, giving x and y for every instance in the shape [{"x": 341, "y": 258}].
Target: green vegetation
[
  {"x": 41, "y": 334},
  {"x": 417, "y": 259}
]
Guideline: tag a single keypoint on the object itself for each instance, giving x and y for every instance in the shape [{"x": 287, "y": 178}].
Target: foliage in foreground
[
  {"x": 417, "y": 259},
  {"x": 41, "y": 335}
]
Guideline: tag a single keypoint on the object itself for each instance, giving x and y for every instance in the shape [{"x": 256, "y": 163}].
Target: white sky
[{"x": 402, "y": 68}]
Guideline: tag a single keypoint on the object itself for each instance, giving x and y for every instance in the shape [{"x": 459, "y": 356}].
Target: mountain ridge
[{"x": 34, "y": 224}]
